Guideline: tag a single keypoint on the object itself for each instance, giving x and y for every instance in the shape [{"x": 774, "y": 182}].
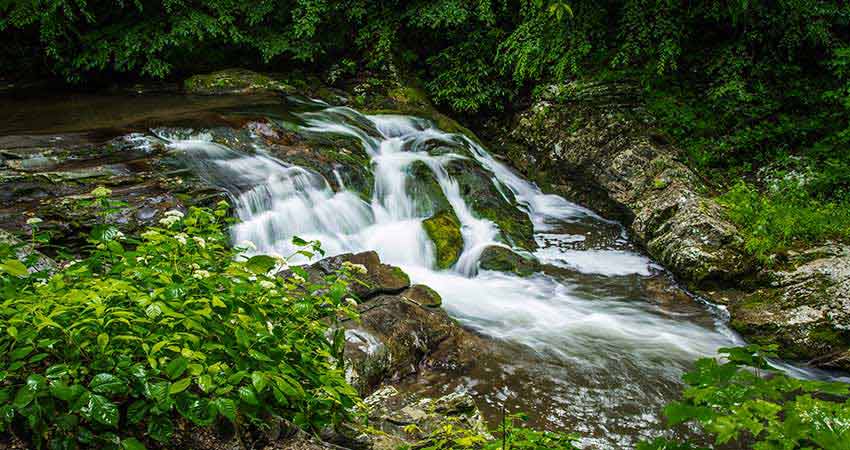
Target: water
[{"x": 597, "y": 345}]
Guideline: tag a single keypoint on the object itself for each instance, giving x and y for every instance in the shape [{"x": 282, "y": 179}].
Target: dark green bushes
[
  {"x": 743, "y": 401},
  {"x": 116, "y": 348}
]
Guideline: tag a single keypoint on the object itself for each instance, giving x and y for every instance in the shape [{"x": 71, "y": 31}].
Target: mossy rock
[
  {"x": 424, "y": 188},
  {"x": 503, "y": 259},
  {"x": 488, "y": 202},
  {"x": 236, "y": 81},
  {"x": 444, "y": 230},
  {"x": 423, "y": 296}
]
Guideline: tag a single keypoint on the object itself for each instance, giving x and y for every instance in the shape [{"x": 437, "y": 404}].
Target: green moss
[
  {"x": 235, "y": 81},
  {"x": 505, "y": 260},
  {"x": 444, "y": 230}
]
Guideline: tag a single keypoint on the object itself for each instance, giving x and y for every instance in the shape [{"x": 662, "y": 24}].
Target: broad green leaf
[
  {"x": 14, "y": 267},
  {"x": 260, "y": 264},
  {"x": 226, "y": 407},
  {"x": 106, "y": 383},
  {"x": 180, "y": 386},
  {"x": 176, "y": 367},
  {"x": 101, "y": 410},
  {"x": 132, "y": 444}
]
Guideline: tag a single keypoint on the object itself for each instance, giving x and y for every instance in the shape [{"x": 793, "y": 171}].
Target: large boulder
[
  {"x": 503, "y": 259},
  {"x": 401, "y": 330},
  {"x": 805, "y": 308}
]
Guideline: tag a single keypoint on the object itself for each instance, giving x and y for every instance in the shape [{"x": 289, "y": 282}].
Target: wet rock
[
  {"x": 379, "y": 278},
  {"x": 401, "y": 330},
  {"x": 488, "y": 201},
  {"x": 597, "y": 145},
  {"x": 444, "y": 230},
  {"x": 503, "y": 259},
  {"x": 423, "y": 296},
  {"x": 236, "y": 81},
  {"x": 805, "y": 308}
]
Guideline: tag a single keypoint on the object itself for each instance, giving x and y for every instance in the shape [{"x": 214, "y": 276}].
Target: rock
[
  {"x": 423, "y": 296},
  {"x": 805, "y": 308},
  {"x": 503, "y": 259},
  {"x": 444, "y": 230},
  {"x": 401, "y": 329},
  {"x": 236, "y": 81},
  {"x": 597, "y": 147},
  {"x": 379, "y": 279},
  {"x": 392, "y": 413},
  {"x": 489, "y": 202}
]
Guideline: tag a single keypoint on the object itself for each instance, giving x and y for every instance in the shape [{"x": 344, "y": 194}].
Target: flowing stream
[{"x": 592, "y": 350}]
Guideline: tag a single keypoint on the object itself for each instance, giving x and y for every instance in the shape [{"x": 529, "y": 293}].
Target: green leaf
[
  {"x": 176, "y": 367},
  {"x": 247, "y": 395},
  {"x": 132, "y": 444},
  {"x": 226, "y": 407},
  {"x": 205, "y": 382},
  {"x": 14, "y": 267},
  {"x": 106, "y": 383},
  {"x": 136, "y": 411},
  {"x": 180, "y": 386},
  {"x": 258, "y": 379},
  {"x": 101, "y": 410},
  {"x": 102, "y": 341},
  {"x": 260, "y": 264}
]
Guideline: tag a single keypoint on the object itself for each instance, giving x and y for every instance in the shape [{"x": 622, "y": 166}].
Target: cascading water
[{"x": 584, "y": 351}]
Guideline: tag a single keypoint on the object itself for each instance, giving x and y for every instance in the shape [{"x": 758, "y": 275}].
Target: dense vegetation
[
  {"x": 112, "y": 349},
  {"x": 740, "y": 85}
]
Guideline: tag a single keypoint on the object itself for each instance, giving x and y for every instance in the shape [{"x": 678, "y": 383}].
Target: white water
[{"x": 600, "y": 333}]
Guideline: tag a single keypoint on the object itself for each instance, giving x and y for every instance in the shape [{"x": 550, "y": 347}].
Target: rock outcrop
[{"x": 595, "y": 144}]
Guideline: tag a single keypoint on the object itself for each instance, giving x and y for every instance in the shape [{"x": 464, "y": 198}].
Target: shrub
[
  {"x": 172, "y": 326},
  {"x": 744, "y": 401}
]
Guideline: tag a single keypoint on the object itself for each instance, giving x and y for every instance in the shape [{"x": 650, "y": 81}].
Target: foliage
[
  {"x": 775, "y": 221},
  {"x": 172, "y": 326},
  {"x": 509, "y": 436},
  {"x": 744, "y": 401}
]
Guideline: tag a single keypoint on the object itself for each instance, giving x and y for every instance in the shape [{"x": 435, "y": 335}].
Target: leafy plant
[
  {"x": 116, "y": 348},
  {"x": 743, "y": 400}
]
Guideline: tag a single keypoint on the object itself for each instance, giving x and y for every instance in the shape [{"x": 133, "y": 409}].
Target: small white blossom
[
  {"x": 247, "y": 245},
  {"x": 119, "y": 235},
  {"x": 174, "y": 213},
  {"x": 34, "y": 221},
  {"x": 200, "y": 241},
  {"x": 266, "y": 284},
  {"x": 168, "y": 221},
  {"x": 201, "y": 274},
  {"x": 359, "y": 268},
  {"x": 298, "y": 278},
  {"x": 181, "y": 238},
  {"x": 195, "y": 266},
  {"x": 351, "y": 302}
]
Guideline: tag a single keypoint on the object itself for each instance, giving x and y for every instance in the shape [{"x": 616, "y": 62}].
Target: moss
[
  {"x": 444, "y": 230},
  {"x": 505, "y": 260},
  {"x": 232, "y": 81}
]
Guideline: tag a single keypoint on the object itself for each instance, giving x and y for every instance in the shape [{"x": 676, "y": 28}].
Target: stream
[
  {"x": 588, "y": 350},
  {"x": 596, "y": 345}
]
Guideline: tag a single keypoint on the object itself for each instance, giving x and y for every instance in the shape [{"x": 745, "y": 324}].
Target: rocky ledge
[{"x": 595, "y": 144}]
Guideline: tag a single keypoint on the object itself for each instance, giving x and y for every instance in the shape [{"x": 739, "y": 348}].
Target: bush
[
  {"x": 744, "y": 401},
  {"x": 112, "y": 349}
]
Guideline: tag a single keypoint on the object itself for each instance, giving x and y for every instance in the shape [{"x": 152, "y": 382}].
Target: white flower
[
  {"x": 168, "y": 221},
  {"x": 201, "y": 274},
  {"x": 266, "y": 284},
  {"x": 359, "y": 268},
  {"x": 298, "y": 278},
  {"x": 174, "y": 213},
  {"x": 181, "y": 238},
  {"x": 34, "y": 221},
  {"x": 200, "y": 241},
  {"x": 247, "y": 245},
  {"x": 143, "y": 259},
  {"x": 119, "y": 235},
  {"x": 351, "y": 302},
  {"x": 195, "y": 266}
]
